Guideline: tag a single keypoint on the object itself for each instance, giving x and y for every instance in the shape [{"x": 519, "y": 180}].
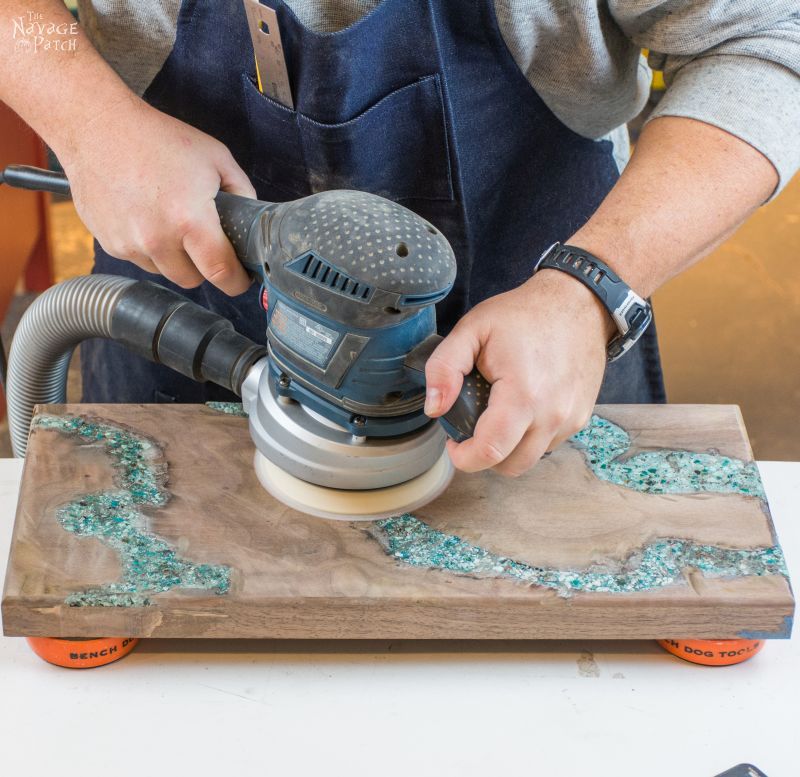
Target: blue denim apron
[{"x": 419, "y": 101}]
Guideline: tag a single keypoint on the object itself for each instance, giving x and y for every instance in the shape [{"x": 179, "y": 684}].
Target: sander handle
[
  {"x": 35, "y": 179},
  {"x": 245, "y": 222},
  {"x": 460, "y": 420},
  {"x": 240, "y": 217}
]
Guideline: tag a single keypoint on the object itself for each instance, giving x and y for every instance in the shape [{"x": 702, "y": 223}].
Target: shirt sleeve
[{"x": 734, "y": 64}]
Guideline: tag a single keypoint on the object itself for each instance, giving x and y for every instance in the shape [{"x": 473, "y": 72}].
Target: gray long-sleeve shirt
[{"x": 731, "y": 63}]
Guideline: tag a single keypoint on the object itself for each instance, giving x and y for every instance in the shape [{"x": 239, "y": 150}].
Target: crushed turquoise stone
[
  {"x": 605, "y": 444},
  {"x": 149, "y": 564},
  {"x": 658, "y": 564},
  {"x": 229, "y": 408}
]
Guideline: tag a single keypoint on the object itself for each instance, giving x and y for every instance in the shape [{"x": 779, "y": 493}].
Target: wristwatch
[{"x": 630, "y": 312}]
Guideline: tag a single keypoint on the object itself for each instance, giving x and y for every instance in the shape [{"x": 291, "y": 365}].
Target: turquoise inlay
[
  {"x": 149, "y": 564},
  {"x": 658, "y": 564},
  {"x": 663, "y": 471},
  {"x": 230, "y": 408}
]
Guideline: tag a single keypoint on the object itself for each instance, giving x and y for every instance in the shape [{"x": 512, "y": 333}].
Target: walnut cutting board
[{"x": 148, "y": 520}]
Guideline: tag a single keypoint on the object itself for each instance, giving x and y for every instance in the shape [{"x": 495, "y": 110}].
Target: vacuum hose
[
  {"x": 57, "y": 321},
  {"x": 152, "y": 321}
]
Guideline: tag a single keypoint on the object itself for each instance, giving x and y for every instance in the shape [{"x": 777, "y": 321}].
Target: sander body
[{"x": 350, "y": 283}]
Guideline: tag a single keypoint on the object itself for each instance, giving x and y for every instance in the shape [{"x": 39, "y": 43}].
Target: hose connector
[{"x": 152, "y": 321}]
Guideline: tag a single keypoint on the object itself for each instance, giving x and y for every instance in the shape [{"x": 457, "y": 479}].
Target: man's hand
[
  {"x": 542, "y": 346},
  {"x": 144, "y": 184}
]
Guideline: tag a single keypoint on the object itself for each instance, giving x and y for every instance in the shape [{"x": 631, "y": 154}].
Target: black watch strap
[{"x": 630, "y": 312}]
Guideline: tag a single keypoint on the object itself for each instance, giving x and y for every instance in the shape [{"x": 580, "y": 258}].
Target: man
[{"x": 494, "y": 119}]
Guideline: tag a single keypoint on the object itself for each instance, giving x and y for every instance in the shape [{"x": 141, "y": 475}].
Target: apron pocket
[
  {"x": 276, "y": 165},
  {"x": 397, "y": 148}
]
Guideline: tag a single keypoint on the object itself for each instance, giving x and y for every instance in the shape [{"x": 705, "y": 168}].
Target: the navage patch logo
[{"x": 32, "y": 34}]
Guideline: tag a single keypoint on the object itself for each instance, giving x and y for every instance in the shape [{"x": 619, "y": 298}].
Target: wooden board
[{"x": 491, "y": 542}]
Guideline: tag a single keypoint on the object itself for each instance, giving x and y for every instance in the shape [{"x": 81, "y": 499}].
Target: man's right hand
[{"x": 144, "y": 184}]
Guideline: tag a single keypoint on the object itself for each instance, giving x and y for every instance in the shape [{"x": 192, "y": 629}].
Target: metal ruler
[{"x": 273, "y": 78}]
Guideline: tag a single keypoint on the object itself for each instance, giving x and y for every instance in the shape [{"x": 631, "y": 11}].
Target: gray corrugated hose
[{"x": 60, "y": 318}]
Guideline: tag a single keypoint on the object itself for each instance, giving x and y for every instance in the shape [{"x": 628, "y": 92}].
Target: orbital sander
[
  {"x": 335, "y": 395},
  {"x": 350, "y": 284}
]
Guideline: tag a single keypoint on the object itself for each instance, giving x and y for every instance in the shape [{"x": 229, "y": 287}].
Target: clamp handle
[{"x": 460, "y": 420}]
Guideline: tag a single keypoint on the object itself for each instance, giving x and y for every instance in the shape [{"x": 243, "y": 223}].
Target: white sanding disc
[{"x": 344, "y": 505}]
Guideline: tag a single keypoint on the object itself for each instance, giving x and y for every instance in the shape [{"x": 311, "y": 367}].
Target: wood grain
[{"x": 294, "y": 576}]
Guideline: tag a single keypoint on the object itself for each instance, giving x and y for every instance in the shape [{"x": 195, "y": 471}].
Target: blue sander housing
[{"x": 350, "y": 284}]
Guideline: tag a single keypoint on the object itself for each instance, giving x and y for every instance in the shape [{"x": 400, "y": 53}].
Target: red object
[
  {"x": 82, "y": 653},
  {"x": 24, "y": 223},
  {"x": 713, "y": 652},
  {"x": 39, "y": 270},
  {"x": 264, "y": 298}
]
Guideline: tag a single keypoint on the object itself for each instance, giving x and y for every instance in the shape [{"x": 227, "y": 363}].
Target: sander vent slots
[{"x": 323, "y": 273}]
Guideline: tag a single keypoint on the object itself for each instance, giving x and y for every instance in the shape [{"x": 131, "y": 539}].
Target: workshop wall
[{"x": 730, "y": 327}]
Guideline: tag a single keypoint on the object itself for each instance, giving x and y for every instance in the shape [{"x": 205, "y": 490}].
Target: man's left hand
[{"x": 542, "y": 346}]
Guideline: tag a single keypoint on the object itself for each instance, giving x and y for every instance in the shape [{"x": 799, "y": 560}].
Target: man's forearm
[
  {"x": 58, "y": 89},
  {"x": 686, "y": 188}
]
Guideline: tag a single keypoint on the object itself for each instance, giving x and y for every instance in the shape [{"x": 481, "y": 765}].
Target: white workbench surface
[{"x": 535, "y": 709}]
